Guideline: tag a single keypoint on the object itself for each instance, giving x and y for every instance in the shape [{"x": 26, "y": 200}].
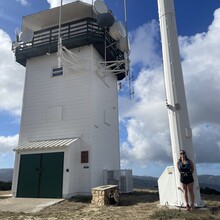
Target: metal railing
[{"x": 84, "y": 28}]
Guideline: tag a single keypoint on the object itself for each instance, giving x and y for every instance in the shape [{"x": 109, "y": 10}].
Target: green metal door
[
  {"x": 41, "y": 175},
  {"x": 28, "y": 180},
  {"x": 51, "y": 183}
]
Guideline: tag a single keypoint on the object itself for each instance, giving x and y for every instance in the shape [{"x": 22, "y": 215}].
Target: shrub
[{"x": 5, "y": 186}]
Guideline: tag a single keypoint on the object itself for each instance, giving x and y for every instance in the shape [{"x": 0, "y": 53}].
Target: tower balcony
[{"x": 74, "y": 34}]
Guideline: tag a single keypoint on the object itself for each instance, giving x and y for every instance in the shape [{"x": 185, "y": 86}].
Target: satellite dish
[
  {"x": 123, "y": 44},
  {"x": 26, "y": 36},
  {"x": 105, "y": 20},
  {"x": 100, "y": 7},
  {"x": 117, "y": 31},
  {"x": 16, "y": 44}
]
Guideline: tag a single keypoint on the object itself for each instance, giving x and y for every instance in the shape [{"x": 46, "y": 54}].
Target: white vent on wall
[{"x": 122, "y": 178}]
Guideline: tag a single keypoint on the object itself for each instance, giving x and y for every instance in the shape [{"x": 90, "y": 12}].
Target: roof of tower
[{"x": 48, "y": 18}]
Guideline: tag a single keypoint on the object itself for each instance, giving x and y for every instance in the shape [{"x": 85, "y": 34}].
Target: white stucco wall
[
  {"x": 77, "y": 104},
  {"x": 68, "y": 96},
  {"x": 105, "y": 128},
  {"x": 71, "y": 177}
]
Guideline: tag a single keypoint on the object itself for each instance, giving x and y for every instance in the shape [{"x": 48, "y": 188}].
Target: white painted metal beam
[{"x": 181, "y": 137}]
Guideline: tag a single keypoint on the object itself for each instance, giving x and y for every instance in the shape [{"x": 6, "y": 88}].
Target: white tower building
[{"x": 69, "y": 129}]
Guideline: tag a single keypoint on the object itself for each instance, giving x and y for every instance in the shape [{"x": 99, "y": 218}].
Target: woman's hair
[{"x": 185, "y": 155}]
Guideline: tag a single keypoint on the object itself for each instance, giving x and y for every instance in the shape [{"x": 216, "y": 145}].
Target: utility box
[
  {"x": 167, "y": 187},
  {"x": 122, "y": 178},
  {"x": 171, "y": 192}
]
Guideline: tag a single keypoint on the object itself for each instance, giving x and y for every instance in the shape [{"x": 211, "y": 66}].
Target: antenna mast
[
  {"x": 180, "y": 131},
  {"x": 126, "y": 54},
  {"x": 59, "y": 45}
]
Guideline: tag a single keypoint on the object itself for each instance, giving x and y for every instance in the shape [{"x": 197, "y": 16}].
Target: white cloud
[
  {"x": 7, "y": 159},
  {"x": 11, "y": 78},
  {"x": 146, "y": 121},
  {"x": 23, "y": 2},
  {"x": 11, "y": 90},
  {"x": 206, "y": 141},
  {"x": 148, "y": 138},
  {"x": 201, "y": 67},
  {"x": 55, "y": 3},
  {"x": 144, "y": 47},
  {"x": 8, "y": 143}
]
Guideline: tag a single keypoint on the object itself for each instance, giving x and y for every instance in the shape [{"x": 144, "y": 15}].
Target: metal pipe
[{"x": 59, "y": 45}]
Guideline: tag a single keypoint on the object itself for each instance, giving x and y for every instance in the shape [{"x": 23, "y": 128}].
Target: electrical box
[
  {"x": 167, "y": 187},
  {"x": 122, "y": 178}
]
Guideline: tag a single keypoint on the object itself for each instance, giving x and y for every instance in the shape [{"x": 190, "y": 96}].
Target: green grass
[{"x": 209, "y": 213}]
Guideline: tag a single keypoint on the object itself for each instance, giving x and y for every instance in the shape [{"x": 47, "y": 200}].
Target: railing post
[
  {"x": 87, "y": 28},
  {"x": 50, "y": 39}
]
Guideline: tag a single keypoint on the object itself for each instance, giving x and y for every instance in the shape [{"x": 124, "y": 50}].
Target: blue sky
[{"x": 144, "y": 130}]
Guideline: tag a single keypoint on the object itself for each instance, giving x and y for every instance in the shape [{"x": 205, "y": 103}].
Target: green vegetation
[{"x": 4, "y": 186}]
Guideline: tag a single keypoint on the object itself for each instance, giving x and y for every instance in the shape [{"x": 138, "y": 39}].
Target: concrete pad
[
  {"x": 5, "y": 196},
  {"x": 27, "y": 205}
]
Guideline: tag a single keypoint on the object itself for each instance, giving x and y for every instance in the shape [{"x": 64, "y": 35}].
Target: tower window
[
  {"x": 57, "y": 71},
  {"x": 84, "y": 156}
]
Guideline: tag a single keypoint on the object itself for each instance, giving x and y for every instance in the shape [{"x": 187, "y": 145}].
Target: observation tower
[{"x": 74, "y": 56}]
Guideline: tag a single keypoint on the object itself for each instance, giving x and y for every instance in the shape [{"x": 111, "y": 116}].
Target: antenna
[
  {"x": 117, "y": 31},
  {"x": 15, "y": 44},
  {"x": 126, "y": 20},
  {"x": 119, "y": 34},
  {"x": 65, "y": 56},
  {"x": 100, "y": 7},
  {"x": 126, "y": 28},
  {"x": 26, "y": 36},
  {"x": 105, "y": 20},
  {"x": 126, "y": 46},
  {"x": 17, "y": 32},
  {"x": 59, "y": 45},
  {"x": 70, "y": 60},
  {"x": 123, "y": 44}
]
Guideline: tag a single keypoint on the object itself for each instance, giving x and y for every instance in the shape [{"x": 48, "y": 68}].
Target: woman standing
[{"x": 186, "y": 168}]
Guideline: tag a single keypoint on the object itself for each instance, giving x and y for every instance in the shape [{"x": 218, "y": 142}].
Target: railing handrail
[
  {"x": 86, "y": 28},
  {"x": 68, "y": 30}
]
